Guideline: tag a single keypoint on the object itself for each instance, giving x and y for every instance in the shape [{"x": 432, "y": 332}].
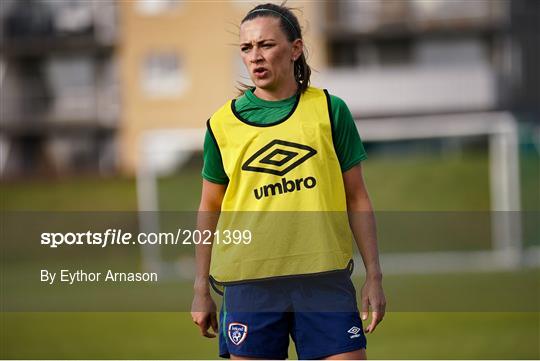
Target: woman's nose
[{"x": 256, "y": 55}]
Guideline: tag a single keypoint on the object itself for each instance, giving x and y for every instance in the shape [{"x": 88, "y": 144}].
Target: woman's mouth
[{"x": 260, "y": 72}]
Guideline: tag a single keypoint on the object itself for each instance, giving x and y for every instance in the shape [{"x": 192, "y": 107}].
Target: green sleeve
[
  {"x": 349, "y": 148},
  {"x": 213, "y": 170}
]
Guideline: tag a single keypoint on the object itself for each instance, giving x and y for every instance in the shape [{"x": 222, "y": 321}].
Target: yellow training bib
[{"x": 286, "y": 188}]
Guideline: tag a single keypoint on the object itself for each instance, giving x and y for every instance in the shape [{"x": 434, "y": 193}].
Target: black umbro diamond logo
[{"x": 278, "y": 157}]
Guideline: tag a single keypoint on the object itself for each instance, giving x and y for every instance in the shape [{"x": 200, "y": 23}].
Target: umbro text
[{"x": 285, "y": 186}]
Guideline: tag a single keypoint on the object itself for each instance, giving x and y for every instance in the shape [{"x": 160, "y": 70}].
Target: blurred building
[
  {"x": 413, "y": 57},
  {"x": 82, "y": 80},
  {"x": 59, "y": 86}
]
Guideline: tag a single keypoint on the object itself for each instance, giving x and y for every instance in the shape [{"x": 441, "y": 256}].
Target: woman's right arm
[{"x": 203, "y": 308}]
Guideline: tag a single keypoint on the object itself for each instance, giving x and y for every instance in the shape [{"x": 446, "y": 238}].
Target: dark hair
[{"x": 291, "y": 28}]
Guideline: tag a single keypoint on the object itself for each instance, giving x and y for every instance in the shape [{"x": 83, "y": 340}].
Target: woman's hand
[
  {"x": 203, "y": 313},
  {"x": 373, "y": 296},
  {"x": 203, "y": 308},
  {"x": 362, "y": 222}
]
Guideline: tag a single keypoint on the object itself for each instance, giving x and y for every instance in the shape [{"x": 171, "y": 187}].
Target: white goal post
[{"x": 163, "y": 151}]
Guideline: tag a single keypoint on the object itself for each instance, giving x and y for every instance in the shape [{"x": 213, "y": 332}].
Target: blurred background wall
[{"x": 81, "y": 80}]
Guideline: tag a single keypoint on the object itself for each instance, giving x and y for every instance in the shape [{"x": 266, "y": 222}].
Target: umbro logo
[
  {"x": 278, "y": 157},
  {"x": 355, "y": 332}
]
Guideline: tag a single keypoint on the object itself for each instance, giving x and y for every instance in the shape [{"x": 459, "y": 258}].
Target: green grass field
[
  {"x": 408, "y": 183},
  {"x": 393, "y": 184},
  {"x": 498, "y": 318},
  {"x": 411, "y": 335}
]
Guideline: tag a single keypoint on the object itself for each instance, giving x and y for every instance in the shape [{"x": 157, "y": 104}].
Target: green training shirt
[{"x": 347, "y": 143}]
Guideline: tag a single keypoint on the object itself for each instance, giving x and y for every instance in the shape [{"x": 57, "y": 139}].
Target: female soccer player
[{"x": 272, "y": 157}]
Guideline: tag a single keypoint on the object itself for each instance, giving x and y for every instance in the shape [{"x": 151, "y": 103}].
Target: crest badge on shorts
[{"x": 237, "y": 332}]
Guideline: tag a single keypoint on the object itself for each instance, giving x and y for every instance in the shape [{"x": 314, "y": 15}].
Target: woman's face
[{"x": 267, "y": 54}]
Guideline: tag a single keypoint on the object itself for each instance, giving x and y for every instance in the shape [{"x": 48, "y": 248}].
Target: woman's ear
[{"x": 297, "y": 49}]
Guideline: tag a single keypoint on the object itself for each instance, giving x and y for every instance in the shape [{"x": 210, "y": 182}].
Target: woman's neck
[{"x": 283, "y": 92}]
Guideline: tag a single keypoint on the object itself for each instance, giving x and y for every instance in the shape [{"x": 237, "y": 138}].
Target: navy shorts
[{"x": 318, "y": 312}]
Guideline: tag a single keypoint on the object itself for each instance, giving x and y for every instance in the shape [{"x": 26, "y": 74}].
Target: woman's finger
[
  {"x": 213, "y": 322},
  {"x": 365, "y": 308}
]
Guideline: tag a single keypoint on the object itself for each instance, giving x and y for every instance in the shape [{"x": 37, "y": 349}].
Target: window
[
  {"x": 454, "y": 51},
  {"x": 156, "y": 7},
  {"x": 353, "y": 53},
  {"x": 72, "y": 16},
  {"x": 162, "y": 75},
  {"x": 451, "y": 10},
  {"x": 72, "y": 83}
]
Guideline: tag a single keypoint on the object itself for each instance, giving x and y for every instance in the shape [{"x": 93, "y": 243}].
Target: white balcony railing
[{"x": 412, "y": 89}]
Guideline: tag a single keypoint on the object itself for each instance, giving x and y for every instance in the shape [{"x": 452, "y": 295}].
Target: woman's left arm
[{"x": 362, "y": 222}]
